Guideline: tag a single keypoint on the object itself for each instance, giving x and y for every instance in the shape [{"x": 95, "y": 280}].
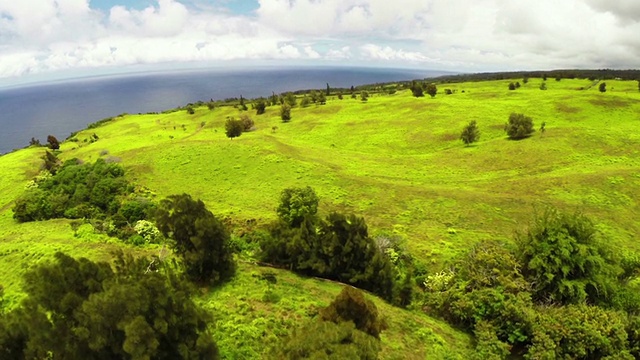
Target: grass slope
[{"x": 395, "y": 159}]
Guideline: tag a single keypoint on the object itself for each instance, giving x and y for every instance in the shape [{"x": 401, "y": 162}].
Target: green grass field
[{"x": 396, "y": 160}]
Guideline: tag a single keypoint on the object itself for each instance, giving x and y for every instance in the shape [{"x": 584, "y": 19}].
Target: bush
[
  {"x": 285, "y": 113},
  {"x": 470, "y": 133},
  {"x": 519, "y": 126},
  {"x": 296, "y": 204},
  {"x": 247, "y": 123},
  {"x": 201, "y": 240},
  {"x": 432, "y": 90},
  {"x": 54, "y": 144},
  {"x": 569, "y": 247},
  {"x": 233, "y": 128},
  {"x": 261, "y": 106},
  {"x": 351, "y": 305},
  {"x": 603, "y": 87}
]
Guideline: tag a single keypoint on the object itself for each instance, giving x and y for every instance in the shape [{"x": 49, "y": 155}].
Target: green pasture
[{"x": 395, "y": 159}]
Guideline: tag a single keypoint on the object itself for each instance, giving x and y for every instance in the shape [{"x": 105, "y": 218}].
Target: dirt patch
[
  {"x": 449, "y": 137},
  {"x": 611, "y": 103},
  {"x": 567, "y": 109}
]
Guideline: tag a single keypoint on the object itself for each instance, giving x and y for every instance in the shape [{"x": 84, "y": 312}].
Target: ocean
[{"x": 59, "y": 108}]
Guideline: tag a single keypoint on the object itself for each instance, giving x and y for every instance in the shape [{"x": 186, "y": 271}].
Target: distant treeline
[{"x": 601, "y": 74}]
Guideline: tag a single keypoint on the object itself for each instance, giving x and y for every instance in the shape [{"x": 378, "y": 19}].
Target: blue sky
[{"x": 61, "y": 38}]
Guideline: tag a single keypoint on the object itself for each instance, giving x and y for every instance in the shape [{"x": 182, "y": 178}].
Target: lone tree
[
  {"x": 602, "y": 87},
  {"x": 512, "y": 86},
  {"x": 543, "y": 86},
  {"x": 470, "y": 133},
  {"x": 53, "y": 142},
  {"x": 285, "y": 113},
  {"x": 364, "y": 96},
  {"x": 201, "y": 240},
  {"x": 233, "y": 128},
  {"x": 519, "y": 126},
  {"x": 261, "y": 106},
  {"x": 432, "y": 90}
]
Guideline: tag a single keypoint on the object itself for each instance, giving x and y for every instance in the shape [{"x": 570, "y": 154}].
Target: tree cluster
[
  {"x": 560, "y": 293},
  {"x": 80, "y": 309},
  {"x": 337, "y": 247}
]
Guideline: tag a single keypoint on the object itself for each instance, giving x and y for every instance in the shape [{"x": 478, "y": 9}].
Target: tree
[
  {"x": 364, "y": 96},
  {"x": 242, "y": 106},
  {"x": 322, "y": 98},
  {"x": 261, "y": 106},
  {"x": 543, "y": 86},
  {"x": 518, "y": 85},
  {"x": 351, "y": 305},
  {"x": 201, "y": 240},
  {"x": 53, "y": 142},
  {"x": 602, "y": 87},
  {"x": 34, "y": 142},
  {"x": 328, "y": 90},
  {"x": 305, "y": 102},
  {"x": 340, "y": 93},
  {"x": 519, "y": 126},
  {"x": 470, "y": 133},
  {"x": 432, "y": 90},
  {"x": 416, "y": 89},
  {"x": 190, "y": 110},
  {"x": 233, "y": 128},
  {"x": 296, "y": 204},
  {"x": 211, "y": 105},
  {"x": 525, "y": 80},
  {"x": 285, "y": 113},
  {"x": 565, "y": 259},
  {"x": 290, "y": 99},
  {"x": 79, "y": 309},
  {"x": 512, "y": 86},
  {"x": 638, "y": 85}
]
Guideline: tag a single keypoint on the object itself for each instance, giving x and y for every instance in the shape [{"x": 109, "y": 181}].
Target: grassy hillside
[{"x": 396, "y": 160}]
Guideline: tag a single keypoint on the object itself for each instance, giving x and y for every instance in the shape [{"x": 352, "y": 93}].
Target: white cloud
[{"x": 39, "y": 36}]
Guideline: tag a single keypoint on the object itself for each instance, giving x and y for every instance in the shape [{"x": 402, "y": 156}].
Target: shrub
[
  {"x": 512, "y": 86},
  {"x": 261, "y": 106},
  {"x": 201, "y": 240},
  {"x": 233, "y": 128},
  {"x": 432, "y": 90},
  {"x": 470, "y": 133},
  {"x": 602, "y": 87},
  {"x": 247, "y": 123},
  {"x": 351, "y": 305},
  {"x": 285, "y": 113},
  {"x": 364, "y": 96},
  {"x": 543, "y": 86},
  {"x": 519, "y": 126}
]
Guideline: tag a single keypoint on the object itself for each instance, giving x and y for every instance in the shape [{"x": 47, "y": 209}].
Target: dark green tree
[
  {"x": 565, "y": 259},
  {"x": 364, "y": 96},
  {"x": 190, "y": 110},
  {"x": 512, "y": 86},
  {"x": 322, "y": 99},
  {"x": 417, "y": 89},
  {"x": 233, "y": 127},
  {"x": 296, "y": 204},
  {"x": 261, "y": 106},
  {"x": 241, "y": 105},
  {"x": 519, "y": 126},
  {"x": 543, "y": 86},
  {"x": 328, "y": 90},
  {"x": 34, "y": 142},
  {"x": 305, "y": 102},
  {"x": 432, "y": 90},
  {"x": 285, "y": 113},
  {"x": 79, "y": 309},
  {"x": 351, "y": 305},
  {"x": 602, "y": 87},
  {"x": 525, "y": 80},
  {"x": 290, "y": 99},
  {"x": 54, "y": 144},
  {"x": 470, "y": 133},
  {"x": 201, "y": 240}
]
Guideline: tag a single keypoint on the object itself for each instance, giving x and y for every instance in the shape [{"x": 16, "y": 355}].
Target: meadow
[{"x": 396, "y": 160}]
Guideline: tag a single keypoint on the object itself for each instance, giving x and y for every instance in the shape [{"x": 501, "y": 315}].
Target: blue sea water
[{"x": 59, "y": 108}]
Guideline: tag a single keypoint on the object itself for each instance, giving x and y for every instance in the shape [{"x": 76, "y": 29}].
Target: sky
[{"x": 66, "y": 38}]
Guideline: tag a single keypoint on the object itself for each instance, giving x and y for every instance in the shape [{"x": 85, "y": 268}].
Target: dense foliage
[
  {"x": 233, "y": 128},
  {"x": 75, "y": 191},
  {"x": 79, "y": 309},
  {"x": 337, "y": 247},
  {"x": 558, "y": 294},
  {"x": 201, "y": 240}
]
